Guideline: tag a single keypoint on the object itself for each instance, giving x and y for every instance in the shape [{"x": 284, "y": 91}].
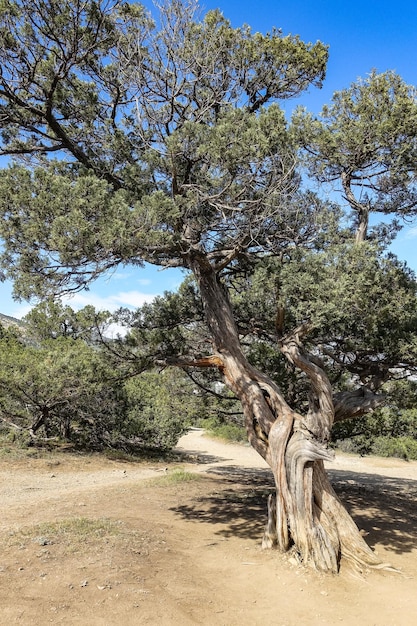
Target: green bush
[
  {"x": 227, "y": 431},
  {"x": 389, "y": 431},
  {"x": 401, "y": 447},
  {"x": 160, "y": 408}
]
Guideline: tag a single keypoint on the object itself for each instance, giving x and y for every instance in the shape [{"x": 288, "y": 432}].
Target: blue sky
[{"x": 361, "y": 36}]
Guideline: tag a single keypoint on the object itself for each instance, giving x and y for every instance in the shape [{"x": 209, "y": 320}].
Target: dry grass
[
  {"x": 71, "y": 532},
  {"x": 172, "y": 477}
]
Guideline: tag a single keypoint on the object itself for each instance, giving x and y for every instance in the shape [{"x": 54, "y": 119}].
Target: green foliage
[
  {"x": 161, "y": 132},
  {"x": 367, "y": 140},
  {"x": 160, "y": 408},
  {"x": 171, "y": 148},
  {"x": 371, "y": 124},
  {"x": 389, "y": 431},
  {"x": 51, "y": 319},
  {"x": 225, "y": 430},
  {"x": 84, "y": 222},
  {"x": 361, "y": 308},
  {"x": 60, "y": 386},
  {"x": 401, "y": 447},
  {"x": 168, "y": 324},
  {"x": 336, "y": 291},
  {"x": 57, "y": 381}
]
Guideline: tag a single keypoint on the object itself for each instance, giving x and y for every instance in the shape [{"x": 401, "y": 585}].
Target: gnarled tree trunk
[{"x": 305, "y": 511}]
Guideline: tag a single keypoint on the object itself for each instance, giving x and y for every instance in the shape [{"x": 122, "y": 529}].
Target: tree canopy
[
  {"x": 163, "y": 135},
  {"x": 366, "y": 140}
]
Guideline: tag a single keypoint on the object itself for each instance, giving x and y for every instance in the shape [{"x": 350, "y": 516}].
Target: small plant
[
  {"x": 15, "y": 446},
  {"x": 175, "y": 477},
  {"x": 77, "y": 529}
]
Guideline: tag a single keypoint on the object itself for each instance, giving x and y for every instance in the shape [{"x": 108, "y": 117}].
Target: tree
[
  {"x": 60, "y": 387},
  {"x": 170, "y": 147},
  {"x": 59, "y": 378},
  {"x": 366, "y": 140},
  {"x": 51, "y": 319},
  {"x": 161, "y": 406}
]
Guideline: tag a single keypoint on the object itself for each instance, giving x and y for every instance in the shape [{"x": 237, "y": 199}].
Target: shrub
[
  {"x": 388, "y": 431},
  {"x": 401, "y": 447},
  {"x": 160, "y": 408},
  {"x": 227, "y": 431}
]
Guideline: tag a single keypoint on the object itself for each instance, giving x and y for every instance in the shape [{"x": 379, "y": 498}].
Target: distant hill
[{"x": 7, "y": 320}]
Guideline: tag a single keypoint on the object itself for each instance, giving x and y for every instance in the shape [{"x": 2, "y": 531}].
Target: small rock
[{"x": 43, "y": 541}]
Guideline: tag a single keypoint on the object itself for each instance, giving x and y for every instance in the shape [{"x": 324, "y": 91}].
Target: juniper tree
[
  {"x": 365, "y": 142},
  {"x": 136, "y": 140}
]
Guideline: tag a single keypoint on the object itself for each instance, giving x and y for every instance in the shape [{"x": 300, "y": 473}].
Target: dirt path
[
  {"x": 215, "y": 452},
  {"x": 90, "y": 541}
]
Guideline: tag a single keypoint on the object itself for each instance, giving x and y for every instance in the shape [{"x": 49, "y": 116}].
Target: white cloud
[
  {"x": 411, "y": 233},
  {"x": 19, "y": 310},
  {"x": 129, "y": 299},
  {"x": 120, "y": 276},
  {"x": 133, "y": 298}
]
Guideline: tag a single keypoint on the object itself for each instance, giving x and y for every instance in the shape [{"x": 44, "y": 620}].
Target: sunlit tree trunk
[
  {"x": 361, "y": 210},
  {"x": 305, "y": 511}
]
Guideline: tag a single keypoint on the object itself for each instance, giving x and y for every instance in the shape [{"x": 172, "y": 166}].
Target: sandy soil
[{"x": 87, "y": 540}]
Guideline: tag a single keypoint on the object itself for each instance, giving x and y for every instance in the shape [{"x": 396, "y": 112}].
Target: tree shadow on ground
[
  {"x": 196, "y": 456},
  {"x": 385, "y": 508},
  {"x": 238, "y": 507}
]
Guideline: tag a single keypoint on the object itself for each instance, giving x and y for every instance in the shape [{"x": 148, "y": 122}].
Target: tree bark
[
  {"x": 362, "y": 210},
  {"x": 305, "y": 511}
]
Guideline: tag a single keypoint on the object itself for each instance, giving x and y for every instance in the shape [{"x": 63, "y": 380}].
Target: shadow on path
[
  {"x": 384, "y": 507},
  {"x": 197, "y": 456},
  {"x": 239, "y": 508}
]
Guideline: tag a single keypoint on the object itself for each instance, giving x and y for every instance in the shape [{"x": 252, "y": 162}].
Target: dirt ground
[{"x": 93, "y": 541}]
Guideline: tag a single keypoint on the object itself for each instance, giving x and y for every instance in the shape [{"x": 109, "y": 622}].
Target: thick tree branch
[
  {"x": 321, "y": 412},
  {"x": 213, "y": 360},
  {"x": 351, "y": 404}
]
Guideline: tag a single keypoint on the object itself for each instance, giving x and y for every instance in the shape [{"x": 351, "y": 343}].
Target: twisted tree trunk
[{"x": 305, "y": 511}]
